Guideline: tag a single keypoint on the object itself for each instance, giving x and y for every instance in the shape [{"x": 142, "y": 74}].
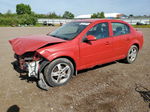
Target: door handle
[
  {"x": 107, "y": 43},
  {"x": 127, "y": 39}
]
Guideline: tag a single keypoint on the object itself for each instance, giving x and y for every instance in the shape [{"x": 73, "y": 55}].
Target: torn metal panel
[{"x": 32, "y": 43}]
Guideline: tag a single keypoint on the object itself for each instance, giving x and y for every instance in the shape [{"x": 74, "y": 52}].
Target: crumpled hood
[{"x": 25, "y": 44}]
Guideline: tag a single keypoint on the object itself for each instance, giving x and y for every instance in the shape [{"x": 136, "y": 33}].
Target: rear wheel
[
  {"x": 132, "y": 54},
  {"x": 58, "y": 72}
]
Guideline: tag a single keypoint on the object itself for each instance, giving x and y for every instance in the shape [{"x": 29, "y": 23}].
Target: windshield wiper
[
  {"x": 59, "y": 37},
  {"x": 65, "y": 38},
  {"x": 54, "y": 36}
]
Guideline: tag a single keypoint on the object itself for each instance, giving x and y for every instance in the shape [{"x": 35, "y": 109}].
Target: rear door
[
  {"x": 99, "y": 51},
  {"x": 121, "y": 38}
]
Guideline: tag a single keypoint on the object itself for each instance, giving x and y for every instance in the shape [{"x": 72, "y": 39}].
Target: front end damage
[
  {"x": 33, "y": 64},
  {"x": 28, "y": 59}
]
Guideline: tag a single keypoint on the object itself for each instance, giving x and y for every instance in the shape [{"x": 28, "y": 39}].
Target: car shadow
[
  {"x": 15, "y": 65},
  {"x": 144, "y": 93},
  {"x": 24, "y": 74},
  {"x": 27, "y": 78},
  {"x": 97, "y": 67}
]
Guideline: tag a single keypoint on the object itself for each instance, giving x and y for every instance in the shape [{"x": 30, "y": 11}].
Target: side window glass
[
  {"x": 99, "y": 31},
  {"x": 120, "y": 29}
]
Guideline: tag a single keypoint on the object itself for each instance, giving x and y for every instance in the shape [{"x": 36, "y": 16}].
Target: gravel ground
[{"x": 107, "y": 88}]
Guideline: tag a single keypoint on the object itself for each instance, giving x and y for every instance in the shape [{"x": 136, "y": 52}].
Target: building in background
[
  {"x": 107, "y": 15},
  {"x": 133, "y": 21}
]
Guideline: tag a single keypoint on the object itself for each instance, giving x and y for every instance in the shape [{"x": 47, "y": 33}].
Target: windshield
[{"x": 70, "y": 30}]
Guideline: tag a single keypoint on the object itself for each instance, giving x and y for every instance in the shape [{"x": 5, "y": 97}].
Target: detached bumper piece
[{"x": 41, "y": 82}]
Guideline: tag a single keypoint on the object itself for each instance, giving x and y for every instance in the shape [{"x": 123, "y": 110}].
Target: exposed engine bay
[{"x": 32, "y": 64}]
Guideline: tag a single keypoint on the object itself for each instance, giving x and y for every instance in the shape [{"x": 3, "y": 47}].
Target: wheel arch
[
  {"x": 133, "y": 43},
  {"x": 62, "y": 54},
  {"x": 127, "y": 60},
  {"x": 70, "y": 59},
  {"x": 136, "y": 44}
]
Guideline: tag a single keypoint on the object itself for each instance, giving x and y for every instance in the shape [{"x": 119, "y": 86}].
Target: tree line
[{"x": 25, "y": 16}]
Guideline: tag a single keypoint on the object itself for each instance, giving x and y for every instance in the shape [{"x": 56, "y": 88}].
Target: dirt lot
[{"x": 109, "y": 88}]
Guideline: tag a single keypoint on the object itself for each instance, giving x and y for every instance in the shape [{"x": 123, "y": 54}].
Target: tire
[
  {"x": 58, "y": 72},
  {"x": 132, "y": 54}
]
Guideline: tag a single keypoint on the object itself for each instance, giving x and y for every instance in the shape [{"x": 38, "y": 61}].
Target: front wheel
[
  {"x": 58, "y": 72},
  {"x": 132, "y": 54}
]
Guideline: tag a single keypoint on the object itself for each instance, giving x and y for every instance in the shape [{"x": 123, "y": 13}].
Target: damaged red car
[{"x": 54, "y": 58}]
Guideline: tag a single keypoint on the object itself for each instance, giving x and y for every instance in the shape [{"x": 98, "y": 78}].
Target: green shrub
[
  {"x": 16, "y": 20},
  {"x": 27, "y": 19},
  {"x": 8, "y": 21},
  {"x": 141, "y": 26}
]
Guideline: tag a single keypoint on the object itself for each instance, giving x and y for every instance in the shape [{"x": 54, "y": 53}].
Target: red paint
[
  {"x": 84, "y": 54},
  {"x": 91, "y": 38},
  {"x": 22, "y": 45}
]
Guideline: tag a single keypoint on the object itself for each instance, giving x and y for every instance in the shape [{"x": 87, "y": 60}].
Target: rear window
[{"x": 120, "y": 29}]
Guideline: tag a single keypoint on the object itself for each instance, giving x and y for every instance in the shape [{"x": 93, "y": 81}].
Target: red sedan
[{"x": 54, "y": 58}]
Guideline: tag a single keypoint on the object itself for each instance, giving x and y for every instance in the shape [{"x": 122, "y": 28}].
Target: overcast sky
[{"x": 78, "y": 7}]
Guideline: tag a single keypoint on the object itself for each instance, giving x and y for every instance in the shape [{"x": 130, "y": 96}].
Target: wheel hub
[
  {"x": 61, "y": 73},
  {"x": 132, "y": 54}
]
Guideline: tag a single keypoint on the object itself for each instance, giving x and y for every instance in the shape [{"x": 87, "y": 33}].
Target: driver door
[{"x": 99, "y": 51}]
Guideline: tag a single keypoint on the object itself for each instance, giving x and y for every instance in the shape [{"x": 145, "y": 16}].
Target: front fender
[{"x": 51, "y": 56}]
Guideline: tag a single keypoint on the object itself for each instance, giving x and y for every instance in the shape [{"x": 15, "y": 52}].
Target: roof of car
[{"x": 94, "y": 20}]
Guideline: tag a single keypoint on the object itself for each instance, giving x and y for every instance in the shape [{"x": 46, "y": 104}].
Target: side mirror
[{"x": 91, "y": 38}]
